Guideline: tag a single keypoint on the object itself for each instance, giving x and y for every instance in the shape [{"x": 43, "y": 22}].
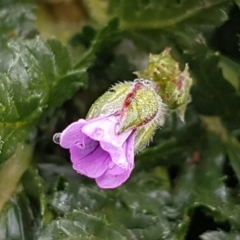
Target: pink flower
[
  {"x": 120, "y": 123},
  {"x": 98, "y": 151}
]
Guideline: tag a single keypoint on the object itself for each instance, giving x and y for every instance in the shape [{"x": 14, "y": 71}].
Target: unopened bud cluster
[{"x": 174, "y": 84}]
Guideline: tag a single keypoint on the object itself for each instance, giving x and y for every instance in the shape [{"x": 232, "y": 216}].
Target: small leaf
[
  {"x": 220, "y": 235},
  {"x": 230, "y": 71},
  {"x": 15, "y": 17},
  {"x": 232, "y": 146},
  {"x": 106, "y": 39},
  {"x": 212, "y": 90},
  {"x": 237, "y": 2},
  {"x": 152, "y": 14}
]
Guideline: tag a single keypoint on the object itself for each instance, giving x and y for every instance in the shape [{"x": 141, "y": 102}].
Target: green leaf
[
  {"x": 79, "y": 225},
  {"x": 230, "y": 144},
  {"x": 132, "y": 211},
  {"x": 230, "y": 71},
  {"x": 103, "y": 11},
  {"x": 213, "y": 95},
  {"x": 78, "y": 197},
  {"x": 237, "y": 2},
  {"x": 191, "y": 186},
  {"x": 39, "y": 76},
  {"x": 154, "y": 15},
  {"x": 163, "y": 149},
  {"x": 33, "y": 187},
  {"x": 142, "y": 207},
  {"x": 220, "y": 235},
  {"x": 105, "y": 40},
  {"x": 12, "y": 170},
  {"x": 16, "y": 17},
  {"x": 202, "y": 185},
  {"x": 232, "y": 147}
]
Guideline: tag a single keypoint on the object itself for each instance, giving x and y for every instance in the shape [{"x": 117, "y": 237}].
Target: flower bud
[
  {"x": 174, "y": 85},
  {"x": 120, "y": 123},
  {"x": 138, "y": 105}
]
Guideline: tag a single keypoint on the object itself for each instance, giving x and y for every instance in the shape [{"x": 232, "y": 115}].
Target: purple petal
[
  {"x": 114, "y": 169},
  {"x": 117, "y": 154},
  {"x": 116, "y": 175},
  {"x": 121, "y": 156},
  {"x": 90, "y": 163},
  {"x": 110, "y": 180},
  {"x": 72, "y": 135},
  {"x": 130, "y": 150},
  {"x": 78, "y": 153},
  {"x": 104, "y": 130}
]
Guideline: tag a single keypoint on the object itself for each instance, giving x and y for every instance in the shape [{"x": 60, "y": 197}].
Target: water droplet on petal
[
  {"x": 56, "y": 138},
  {"x": 122, "y": 163}
]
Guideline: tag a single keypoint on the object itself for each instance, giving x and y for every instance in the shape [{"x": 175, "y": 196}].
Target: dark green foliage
[{"x": 34, "y": 77}]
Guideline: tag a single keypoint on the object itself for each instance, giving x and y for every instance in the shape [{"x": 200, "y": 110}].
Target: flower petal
[
  {"x": 130, "y": 150},
  {"x": 72, "y": 135},
  {"x": 112, "y": 178},
  {"x": 90, "y": 163},
  {"x": 116, "y": 175},
  {"x": 121, "y": 156},
  {"x": 78, "y": 153},
  {"x": 104, "y": 130},
  {"x": 117, "y": 154}
]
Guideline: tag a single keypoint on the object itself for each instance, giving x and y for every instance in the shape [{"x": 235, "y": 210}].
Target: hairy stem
[{"x": 12, "y": 170}]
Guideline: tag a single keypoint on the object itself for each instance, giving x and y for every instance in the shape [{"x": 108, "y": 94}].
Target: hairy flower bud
[
  {"x": 120, "y": 123},
  {"x": 138, "y": 105},
  {"x": 174, "y": 85}
]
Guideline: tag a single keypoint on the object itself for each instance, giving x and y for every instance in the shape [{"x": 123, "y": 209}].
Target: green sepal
[
  {"x": 144, "y": 136},
  {"x": 174, "y": 84},
  {"x": 138, "y": 106},
  {"x": 142, "y": 109},
  {"x": 111, "y": 101}
]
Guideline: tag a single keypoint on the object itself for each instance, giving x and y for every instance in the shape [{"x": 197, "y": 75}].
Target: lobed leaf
[
  {"x": 220, "y": 235},
  {"x": 22, "y": 21},
  {"x": 79, "y": 225},
  {"x": 36, "y": 79},
  {"x": 154, "y": 15}
]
